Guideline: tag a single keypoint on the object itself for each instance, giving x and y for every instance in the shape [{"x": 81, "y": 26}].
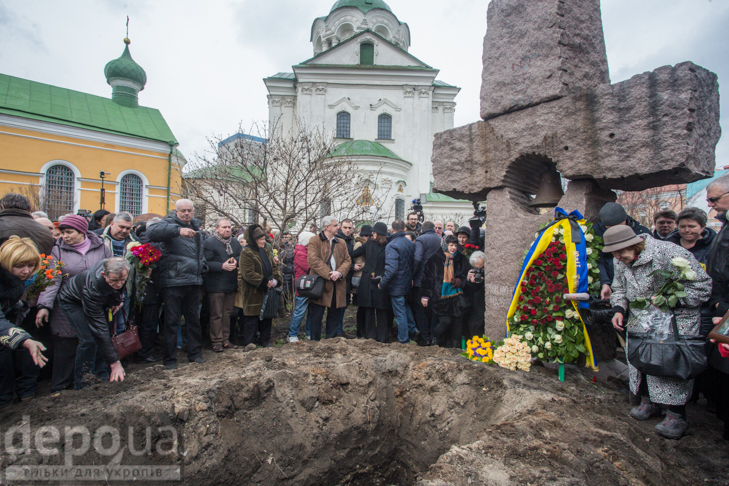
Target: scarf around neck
[
  {"x": 448, "y": 291},
  {"x": 225, "y": 241}
]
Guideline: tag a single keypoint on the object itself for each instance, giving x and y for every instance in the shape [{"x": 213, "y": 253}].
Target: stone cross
[{"x": 547, "y": 102}]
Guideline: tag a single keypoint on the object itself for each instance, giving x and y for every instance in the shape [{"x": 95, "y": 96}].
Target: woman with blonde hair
[{"x": 19, "y": 262}]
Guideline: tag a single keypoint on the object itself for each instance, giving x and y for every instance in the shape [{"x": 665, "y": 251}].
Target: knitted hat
[
  {"x": 619, "y": 237},
  {"x": 380, "y": 228},
  {"x": 76, "y": 222},
  {"x": 365, "y": 230},
  {"x": 304, "y": 237},
  {"x": 612, "y": 214}
]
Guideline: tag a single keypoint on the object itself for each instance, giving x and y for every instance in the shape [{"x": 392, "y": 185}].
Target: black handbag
[
  {"x": 269, "y": 306},
  {"x": 679, "y": 357},
  {"x": 310, "y": 285}
]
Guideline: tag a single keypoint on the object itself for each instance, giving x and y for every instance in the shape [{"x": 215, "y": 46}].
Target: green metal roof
[
  {"x": 283, "y": 76},
  {"x": 443, "y": 84},
  {"x": 363, "y": 148},
  {"x": 38, "y": 101},
  {"x": 363, "y": 5},
  {"x": 125, "y": 68}
]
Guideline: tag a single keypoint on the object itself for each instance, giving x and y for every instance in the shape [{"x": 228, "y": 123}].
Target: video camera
[
  {"x": 418, "y": 206},
  {"x": 479, "y": 216},
  {"x": 86, "y": 213}
]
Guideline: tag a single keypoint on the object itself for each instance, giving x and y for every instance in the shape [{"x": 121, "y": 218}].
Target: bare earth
[{"x": 355, "y": 412}]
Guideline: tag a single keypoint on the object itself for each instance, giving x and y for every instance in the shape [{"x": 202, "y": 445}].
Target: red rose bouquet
[{"x": 143, "y": 258}]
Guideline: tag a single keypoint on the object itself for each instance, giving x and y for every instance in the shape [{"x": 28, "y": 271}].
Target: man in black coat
[
  {"x": 15, "y": 219},
  {"x": 345, "y": 234},
  {"x": 612, "y": 214},
  {"x": 413, "y": 224},
  {"x": 86, "y": 299},
  {"x": 426, "y": 245},
  {"x": 222, "y": 253},
  {"x": 180, "y": 277}
]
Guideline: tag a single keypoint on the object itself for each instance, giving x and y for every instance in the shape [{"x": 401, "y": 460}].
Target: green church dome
[
  {"x": 363, "y": 5},
  {"x": 125, "y": 68},
  {"x": 365, "y": 148}
]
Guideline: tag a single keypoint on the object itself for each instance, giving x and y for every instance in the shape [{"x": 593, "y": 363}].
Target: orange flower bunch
[{"x": 48, "y": 270}]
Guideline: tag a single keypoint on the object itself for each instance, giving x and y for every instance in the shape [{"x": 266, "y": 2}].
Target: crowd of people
[{"x": 412, "y": 281}]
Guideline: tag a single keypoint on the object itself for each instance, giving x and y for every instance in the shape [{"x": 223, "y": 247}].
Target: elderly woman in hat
[
  {"x": 636, "y": 258},
  {"x": 80, "y": 249}
]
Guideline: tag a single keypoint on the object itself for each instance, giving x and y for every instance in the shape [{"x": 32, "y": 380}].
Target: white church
[{"x": 383, "y": 104}]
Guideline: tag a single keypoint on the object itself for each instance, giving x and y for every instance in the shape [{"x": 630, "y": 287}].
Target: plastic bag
[{"x": 652, "y": 321}]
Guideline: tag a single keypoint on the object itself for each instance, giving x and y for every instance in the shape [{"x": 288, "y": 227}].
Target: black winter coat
[
  {"x": 12, "y": 311},
  {"x": 349, "y": 241},
  {"x": 605, "y": 263},
  {"x": 217, "y": 279},
  {"x": 183, "y": 259},
  {"x": 700, "y": 250},
  {"x": 717, "y": 266},
  {"x": 399, "y": 262},
  {"x": 432, "y": 283},
  {"x": 368, "y": 295},
  {"x": 426, "y": 245},
  {"x": 90, "y": 291}
]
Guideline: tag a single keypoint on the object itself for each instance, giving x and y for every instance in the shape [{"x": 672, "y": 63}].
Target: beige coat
[{"x": 318, "y": 252}]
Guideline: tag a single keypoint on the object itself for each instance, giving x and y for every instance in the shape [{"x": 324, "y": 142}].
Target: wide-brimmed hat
[
  {"x": 619, "y": 237},
  {"x": 365, "y": 230},
  {"x": 380, "y": 228}
]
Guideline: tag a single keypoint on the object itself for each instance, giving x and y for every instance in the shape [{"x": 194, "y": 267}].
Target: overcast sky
[{"x": 205, "y": 60}]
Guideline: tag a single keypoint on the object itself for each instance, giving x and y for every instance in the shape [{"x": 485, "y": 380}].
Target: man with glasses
[
  {"x": 439, "y": 228},
  {"x": 180, "y": 277},
  {"x": 413, "y": 224},
  {"x": 665, "y": 222},
  {"x": 116, "y": 237}
]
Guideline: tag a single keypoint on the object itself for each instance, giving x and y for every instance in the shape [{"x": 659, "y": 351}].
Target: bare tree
[
  {"x": 642, "y": 205},
  {"x": 286, "y": 179}
]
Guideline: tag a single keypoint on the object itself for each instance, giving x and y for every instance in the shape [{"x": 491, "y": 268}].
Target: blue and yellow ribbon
[{"x": 577, "y": 278}]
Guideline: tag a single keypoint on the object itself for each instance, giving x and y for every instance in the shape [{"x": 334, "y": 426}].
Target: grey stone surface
[
  {"x": 586, "y": 195},
  {"x": 540, "y": 50},
  {"x": 654, "y": 129}
]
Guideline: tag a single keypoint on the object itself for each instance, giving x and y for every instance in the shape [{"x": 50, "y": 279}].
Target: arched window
[
  {"x": 366, "y": 54},
  {"x": 60, "y": 188},
  {"x": 131, "y": 192},
  {"x": 400, "y": 209},
  {"x": 343, "y": 124},
  {"x": 384, "y": 127}
]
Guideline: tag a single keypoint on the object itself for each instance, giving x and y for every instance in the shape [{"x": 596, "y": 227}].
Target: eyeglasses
[{"x": 713, "y": 200}]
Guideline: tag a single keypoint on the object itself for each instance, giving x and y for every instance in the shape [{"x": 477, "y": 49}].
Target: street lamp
[{"x": 103, "y": 174}]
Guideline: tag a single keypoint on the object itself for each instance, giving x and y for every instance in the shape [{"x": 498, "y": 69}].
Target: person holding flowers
[
  {"x": 80, "y": 249},
  {"x": 19, "y": 263},
  {"x": 641, "y": 264}
]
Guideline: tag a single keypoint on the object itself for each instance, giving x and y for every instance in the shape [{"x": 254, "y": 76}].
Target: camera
[
  {"x": 417, "y": 206},
  {"x": 86, "y": 213},
  {"x": 478, "y": 275}
]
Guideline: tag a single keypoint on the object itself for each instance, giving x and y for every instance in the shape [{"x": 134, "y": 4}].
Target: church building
[
  {"x": 56, "y": 142},
  {"x": 383, "y": 105}
]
